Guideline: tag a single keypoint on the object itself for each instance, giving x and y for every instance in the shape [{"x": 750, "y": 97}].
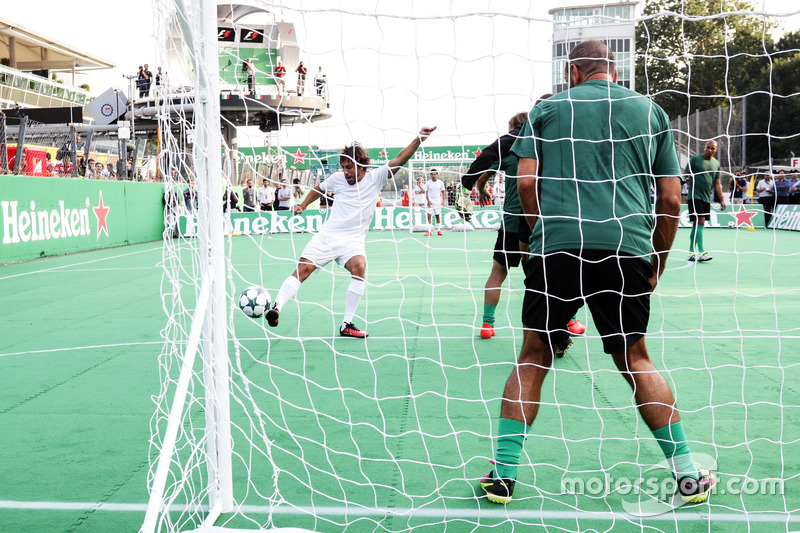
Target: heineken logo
[{"x": 26, "y": 223}]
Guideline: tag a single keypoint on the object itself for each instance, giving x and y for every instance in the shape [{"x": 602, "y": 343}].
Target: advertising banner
[
  {"x": 304, "y": 157},
  {"x": 52, "y": 216},
  {"x": 386, "y": 218}
]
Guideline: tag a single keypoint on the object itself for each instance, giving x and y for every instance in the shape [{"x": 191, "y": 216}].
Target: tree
[
  {"x": 773, "y": 104},
  {"x": 694, "y": 54}
]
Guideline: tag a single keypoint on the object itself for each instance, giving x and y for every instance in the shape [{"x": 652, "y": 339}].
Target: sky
[{"x": 464, "y": 66}]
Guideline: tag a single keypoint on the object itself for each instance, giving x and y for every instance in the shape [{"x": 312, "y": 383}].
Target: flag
[{"x": 752, "y": 186}]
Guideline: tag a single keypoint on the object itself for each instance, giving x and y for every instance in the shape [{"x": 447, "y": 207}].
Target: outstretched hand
[{"x": 425, "y": 132}]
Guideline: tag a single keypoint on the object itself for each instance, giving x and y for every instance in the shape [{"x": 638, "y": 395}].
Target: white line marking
[{"x": 438, "y": 513}]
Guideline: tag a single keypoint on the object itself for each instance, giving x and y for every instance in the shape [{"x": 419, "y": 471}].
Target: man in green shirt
[
  {"x": 587, "y": 157},
  {"x": 511, "y": 246},
  {"x": 702, "y": 175}
]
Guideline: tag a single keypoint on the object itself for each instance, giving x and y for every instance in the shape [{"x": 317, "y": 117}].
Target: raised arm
[{"x": 406, "y": 153}]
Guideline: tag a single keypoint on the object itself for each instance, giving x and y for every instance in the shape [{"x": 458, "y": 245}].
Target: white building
[{"x": 610, "y": 22}]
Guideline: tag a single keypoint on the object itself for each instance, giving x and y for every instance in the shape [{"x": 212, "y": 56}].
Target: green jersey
[
  {"x": 599, "y": 145},
  {"x": 511, "y": 205},
  {"x": 701, "y": 174}
]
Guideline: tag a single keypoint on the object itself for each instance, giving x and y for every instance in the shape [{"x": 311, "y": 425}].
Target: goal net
[{"x": 258, "y": 427}]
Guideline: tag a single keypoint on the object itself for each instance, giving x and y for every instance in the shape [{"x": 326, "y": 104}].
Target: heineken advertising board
[
  {"x": 52, "y": 216},
  {"x": 735, "y": 216},
  {"x": 303, "y": 157},
  {"x": 405, "y": 218},
  {"x": 386, "y": 218},
  {"x": 786, "y": 217}
]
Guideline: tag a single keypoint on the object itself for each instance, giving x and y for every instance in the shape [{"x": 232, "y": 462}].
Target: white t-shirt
[
  {"x": 266, "y": 195},
  {"x": 500, "y": 189},
  {"x": 419, "y": 194},
  {"x": 434, "y": 190},
  {"x": 354, "y": 207},
  {"x": 765, "y": 189}
]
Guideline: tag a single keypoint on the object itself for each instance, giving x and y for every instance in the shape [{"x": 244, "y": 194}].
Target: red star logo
[
  {"x": 299, "y": 157},
  {"x": 101, "y": 212},
  {"x": 744, "y": 217},
  {"x": 478, "y": 152},
  {"x": 384, "y": 154}
]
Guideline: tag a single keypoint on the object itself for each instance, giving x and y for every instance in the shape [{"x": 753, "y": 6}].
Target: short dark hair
[
  {"x": 592, "y": 57},
  {"x": 356, "y": 153}
]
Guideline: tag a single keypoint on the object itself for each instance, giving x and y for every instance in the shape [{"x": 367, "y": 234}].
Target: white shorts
[
  {"x": 322, "y": 249},
  {"x": 435, "y": 209}
]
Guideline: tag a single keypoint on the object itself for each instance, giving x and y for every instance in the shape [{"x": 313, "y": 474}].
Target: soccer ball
[{"x": 254, "y": 301}]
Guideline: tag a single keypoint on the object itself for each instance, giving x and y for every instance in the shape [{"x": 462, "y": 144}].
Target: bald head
[
  {"x": 710, "y": 149},
  {"x": 592, "y": 58}
]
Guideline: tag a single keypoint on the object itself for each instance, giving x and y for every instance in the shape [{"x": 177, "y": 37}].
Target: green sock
[
  {"x": 488, "y": 314},
  {"x": 692, "y": 237},
  {"x": 510, "y": 438},
  {"x": 700, "y": 248},
  {"x": 675, "y": 446}
]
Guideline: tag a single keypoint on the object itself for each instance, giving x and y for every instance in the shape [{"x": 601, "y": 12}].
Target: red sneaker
[
  {"x": 575, "y": 327},
  {"x": 487, "y": 331},
  {"x": 427, "y": 233},
  {"x": 349, "y": 330},
  {"x": 440, "y": 232}
]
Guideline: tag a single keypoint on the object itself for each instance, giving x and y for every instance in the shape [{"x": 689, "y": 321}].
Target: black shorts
[
  {"x": 699, "y": 208},
  {"x": 616, "y": 288},
  {"x": 506, "y": 249}
]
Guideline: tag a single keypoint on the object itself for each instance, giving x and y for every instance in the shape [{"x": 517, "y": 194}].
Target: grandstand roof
[{"x": 28, "y": 50}]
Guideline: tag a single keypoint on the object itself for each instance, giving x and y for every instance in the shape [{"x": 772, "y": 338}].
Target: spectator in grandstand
[
  {"x": 301, "y": 78},
  {"x": 159, "y": 81},
  {"x": 230, "y": 200},
  {"x": 511, "y": 246},
  {"x": 405, "y": 199},
  {"x": 419, "y": 194},
  {"x": 144, "y": 79},
  {"x": 342, "y": 236},
  {"x": 266, "y": 196},
  {"x": 249, "y": 197},
  {"x": 451, "y": 193},
  {"x": 794, "y": 191},
  {"x": 569, "y": 183},
  {"x": 284, "y": 196},
  {"x": 111, "y": 170},
  {"x": 434, "y": 198},
  {"x": 251, "y": 76},
  {"x": 297, "y": 191},
  {"x": 500, "y": 190},
  {"x": 64, "y": 167},
  {"x": 89, "y": 169},
  {"x": 319, "y": 81},
  {"x": 738, "y": 188},
  {"x": 190, "y": 199},
  {"x": 766, "y": 197},
  {"x": 782, "y": 186},
  {"x": 100, "y": 171},
  {"x": 702, "y": 175},
  {"x": 280, "y": 73}
]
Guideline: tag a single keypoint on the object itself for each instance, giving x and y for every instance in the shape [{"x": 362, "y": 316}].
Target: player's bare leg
[
  {"x": 289, "y": 289},
  {"x": 491, "y": 297},
  {"x": 357, "y": 266}
]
